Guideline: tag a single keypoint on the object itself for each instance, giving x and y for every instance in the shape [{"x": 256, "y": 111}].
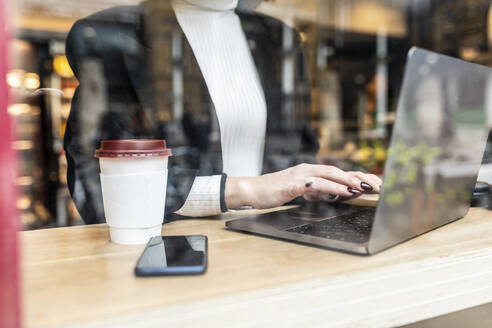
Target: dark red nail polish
[
  {"x": 309, "y": 184},
  {"x": 365, "y": 186},
  {"x": 353, "y": 191}
]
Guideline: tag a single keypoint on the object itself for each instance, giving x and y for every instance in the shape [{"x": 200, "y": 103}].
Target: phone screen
[{"x": 173, "y": 255}]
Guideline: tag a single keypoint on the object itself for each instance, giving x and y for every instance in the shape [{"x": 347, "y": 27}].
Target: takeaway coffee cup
[{"x": 133, "y": 181}]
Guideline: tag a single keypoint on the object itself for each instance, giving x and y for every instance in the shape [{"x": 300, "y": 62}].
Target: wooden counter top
[{"x": 75, "y": 277}]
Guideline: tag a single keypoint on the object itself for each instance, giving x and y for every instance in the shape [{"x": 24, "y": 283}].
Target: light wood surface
[{"x": 75, "y": 277}]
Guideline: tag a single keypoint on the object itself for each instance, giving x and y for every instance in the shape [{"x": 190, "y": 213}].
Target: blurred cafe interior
[{"x": 355, "y": 52}]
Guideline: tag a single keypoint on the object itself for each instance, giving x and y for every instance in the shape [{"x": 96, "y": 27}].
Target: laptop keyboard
[{"x": 352, "y": 227}]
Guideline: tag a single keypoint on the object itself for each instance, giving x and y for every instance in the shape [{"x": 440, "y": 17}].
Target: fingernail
[
  {"x": 309, "y": 184},
  {"x": 353, "y": 191},
  {"x": 332, "y": 196},
  {"x": 366, "y": 186}
]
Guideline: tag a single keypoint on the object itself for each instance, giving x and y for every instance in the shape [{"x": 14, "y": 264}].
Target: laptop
[{"x": 436, "y": 148}]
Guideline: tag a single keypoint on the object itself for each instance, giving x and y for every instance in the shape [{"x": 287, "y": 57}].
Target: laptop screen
[{"x": 436, "y": 149}]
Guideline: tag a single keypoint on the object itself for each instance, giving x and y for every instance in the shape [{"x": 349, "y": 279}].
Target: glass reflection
[{"x": 437, "y": 147}]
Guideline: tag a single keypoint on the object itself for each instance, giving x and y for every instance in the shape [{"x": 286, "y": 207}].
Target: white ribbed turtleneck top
[{"x": 215, "y": 35}]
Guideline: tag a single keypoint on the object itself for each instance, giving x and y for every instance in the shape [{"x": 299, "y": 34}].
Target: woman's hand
[{"x": 314, "y": 182}]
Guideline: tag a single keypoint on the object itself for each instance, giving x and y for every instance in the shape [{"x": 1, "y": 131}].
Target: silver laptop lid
[{"x": 436, "y": 148}]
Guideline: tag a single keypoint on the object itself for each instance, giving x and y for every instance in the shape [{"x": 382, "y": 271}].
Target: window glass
[{"x": 311, "y": 81}]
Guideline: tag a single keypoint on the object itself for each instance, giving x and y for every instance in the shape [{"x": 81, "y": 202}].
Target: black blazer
[{"x": 125, "y": 71}]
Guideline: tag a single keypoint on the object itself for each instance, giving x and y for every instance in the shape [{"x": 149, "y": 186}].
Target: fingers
[
  {"x": 327, "y": 187},
  {"x": 312, "y": 195},
  {"x": 336, "y": 175},
  {"x": 316, "y": 196},
  {"x": 343, "y": 199},
  {"x": 370, "y": 179},
  {"x": 331, "y": 184},
  {"x": 330, "y": 198}
]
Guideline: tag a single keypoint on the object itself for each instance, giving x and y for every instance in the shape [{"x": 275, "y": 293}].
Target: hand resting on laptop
[{"x": 313, "y": 182}]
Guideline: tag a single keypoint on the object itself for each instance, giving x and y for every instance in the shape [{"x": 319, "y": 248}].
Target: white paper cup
[
  {"x": 133, "y": 181},
  {"x": 134, "y": 205}
]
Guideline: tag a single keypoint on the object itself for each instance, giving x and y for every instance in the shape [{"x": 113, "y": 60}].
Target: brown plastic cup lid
[{"x": 133, "y": 148}]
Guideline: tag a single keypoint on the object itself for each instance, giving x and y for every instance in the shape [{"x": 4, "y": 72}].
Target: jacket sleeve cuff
[
  {"x": 223, "y": 206},
  {"x": 203, "y": 198}
]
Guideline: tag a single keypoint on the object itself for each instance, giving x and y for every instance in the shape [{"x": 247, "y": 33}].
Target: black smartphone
[{"x": 173, "y": 255}]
